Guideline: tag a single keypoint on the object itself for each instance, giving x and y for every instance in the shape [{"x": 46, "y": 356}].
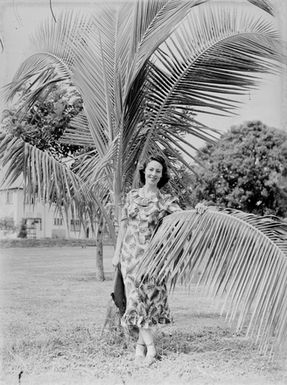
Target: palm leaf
[
  {"x": 242, "y": 257},
  {"x": 152, "y": 23},
  {"x": 193, "y": 73},
  {"x": 91, "y": 74},
  {"x": 95, "y": 171},
  {"x": 61, "y": 39},
  {"x": 56, "y": 47},
  {"x": 78, "y": 132},
  {"x": 266, "y": 5}
]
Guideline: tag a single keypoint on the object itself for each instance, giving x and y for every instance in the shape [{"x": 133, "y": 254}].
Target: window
[
  {"x": 9, "y": 196},
  {"x": 75, "y": 225},
  {"x": 58, "y": 221},
  {"x": 33, "y": 226},
  {"x": 37, "y": 223}
]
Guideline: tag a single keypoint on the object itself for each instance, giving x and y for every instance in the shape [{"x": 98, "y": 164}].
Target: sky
[{"x": 20, "y": 18}]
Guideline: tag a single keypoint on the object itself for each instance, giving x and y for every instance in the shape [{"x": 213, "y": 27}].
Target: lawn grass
[{"x": 53, "y": 311}]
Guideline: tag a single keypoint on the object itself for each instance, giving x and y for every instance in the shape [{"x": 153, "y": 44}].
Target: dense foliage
[
  {"x": 245, "y": 170},
  {"x": 44, "y": 123}
]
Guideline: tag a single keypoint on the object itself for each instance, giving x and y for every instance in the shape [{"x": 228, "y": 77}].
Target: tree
[
  {"x": 242, "y": 170},
  {"x": 43, "y": 126},
  {"x": 144, "y": 70},
  {"x": 45, "y": 122}
]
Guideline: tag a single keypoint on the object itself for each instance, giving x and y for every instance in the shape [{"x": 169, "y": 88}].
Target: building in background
[{"x": 40, "y": 220}]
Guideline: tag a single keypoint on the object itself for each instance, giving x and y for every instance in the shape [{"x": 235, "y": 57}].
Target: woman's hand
[
  {"x": 116, "y": 259},
  {"x": 200, "y": 208},
  {"x": 121, "y": 234}
]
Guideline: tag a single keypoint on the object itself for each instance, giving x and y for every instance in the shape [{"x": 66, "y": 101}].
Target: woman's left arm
[{"x": 173, "y": 206}]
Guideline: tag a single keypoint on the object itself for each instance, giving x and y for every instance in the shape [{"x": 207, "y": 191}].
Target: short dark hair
[{"x": 165, "y": 176}]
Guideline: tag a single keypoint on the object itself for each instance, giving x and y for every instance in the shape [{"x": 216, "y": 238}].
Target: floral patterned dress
[{"x": 146, "y": 303}]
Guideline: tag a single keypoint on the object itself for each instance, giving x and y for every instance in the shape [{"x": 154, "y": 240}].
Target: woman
[{"x": 144, "y": 207}]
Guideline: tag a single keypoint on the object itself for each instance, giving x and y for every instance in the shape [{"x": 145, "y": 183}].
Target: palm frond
[
  {"x": 266, "y": 5},
  {"x": 78, "y": 132},
  {"x": 35, "y": 74},
  {"x": 243, "y": 258},
  {"x": 215, "y": 53},
  {"x": 56, "y": 47},
  {"x": 62, "y": 39},
  {"x": 153, "y": 22},
  {"x": 109, "y": 63},
  {"x": 95, "y": 170},
  {"x": 91, "y": 77}
]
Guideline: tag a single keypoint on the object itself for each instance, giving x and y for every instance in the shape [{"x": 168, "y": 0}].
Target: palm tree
[{"x": 144, "y": 70}]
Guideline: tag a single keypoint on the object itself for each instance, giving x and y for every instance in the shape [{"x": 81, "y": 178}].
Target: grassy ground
[{"x": 53, "y": 311}]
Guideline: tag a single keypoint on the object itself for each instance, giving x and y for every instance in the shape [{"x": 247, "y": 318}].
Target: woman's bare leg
[
  {"x": 140, "y": 348},
  {"x": 148, "y": 338}
]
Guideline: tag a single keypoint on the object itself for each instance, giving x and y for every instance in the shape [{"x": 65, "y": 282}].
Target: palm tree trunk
[{"x": 100, "y": 276}]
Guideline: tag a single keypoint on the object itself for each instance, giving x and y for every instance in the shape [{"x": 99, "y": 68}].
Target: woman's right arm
[
  {"x": 121, "y": 234},
  {"x": 122, "y": 231}
]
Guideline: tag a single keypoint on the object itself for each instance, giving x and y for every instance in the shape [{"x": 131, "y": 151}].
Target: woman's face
[{"x": 153, "y": 173}]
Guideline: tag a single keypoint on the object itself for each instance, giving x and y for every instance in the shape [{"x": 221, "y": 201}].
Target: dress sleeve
[{"x": 171, "y": 204}]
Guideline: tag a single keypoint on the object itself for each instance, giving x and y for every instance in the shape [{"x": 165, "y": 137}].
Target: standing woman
[{"x": 146, "y": 303}]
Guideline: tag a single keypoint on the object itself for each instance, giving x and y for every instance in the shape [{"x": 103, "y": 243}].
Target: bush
[
  {"x": 23, "y": 230},
  {"x": 7, "y": 223}
]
